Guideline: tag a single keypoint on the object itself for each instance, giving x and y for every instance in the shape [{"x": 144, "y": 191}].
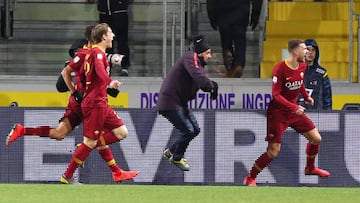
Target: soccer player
[
  {"x": 98, "y": 116},
  {"x": 283, "y": 112},
  {"x": 73, "y": 116},
  {"x": 180, "y": 86}
]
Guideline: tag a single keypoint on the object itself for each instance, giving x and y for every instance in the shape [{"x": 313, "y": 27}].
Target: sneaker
[
  {"x": 65, "y": 180},
  {"x": 16, "y": 132},
  {"x": 317, "y": 171},
  {"x": 167, "y": 153},
  {"x": 124, "y": 175},
  {"x": 180, "y": 164},
  {"x": 248, "y": 181}
]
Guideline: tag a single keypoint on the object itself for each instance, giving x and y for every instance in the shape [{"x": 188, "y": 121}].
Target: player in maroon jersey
[
  {"x": 98, "y": 116},
  {"x": 283, "y": 112},
  {"x": 73, "y": 116}
]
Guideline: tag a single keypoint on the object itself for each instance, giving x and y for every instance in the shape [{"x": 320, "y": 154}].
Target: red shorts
[
  {"x": 278, "y": 120},
  {"x": 98, "y": 120},
  {"x": 73, "y": 113}
]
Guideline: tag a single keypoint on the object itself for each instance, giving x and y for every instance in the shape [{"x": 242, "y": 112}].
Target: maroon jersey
[
  {"x": 287, "y": 83},
  {"x": 97, "y": 78},
  {"x": 76, "y": 64}
]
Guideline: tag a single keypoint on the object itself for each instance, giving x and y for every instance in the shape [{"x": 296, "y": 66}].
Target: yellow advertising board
[{"x": 51, "y": 99}]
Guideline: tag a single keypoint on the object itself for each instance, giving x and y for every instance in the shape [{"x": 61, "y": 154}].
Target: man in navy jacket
[{"x": 316, "y": 79}]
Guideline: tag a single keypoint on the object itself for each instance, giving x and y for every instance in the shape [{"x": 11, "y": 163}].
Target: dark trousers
[
  {"x": 233, "y": 39},
  {"x": 119, "y": 23},
  {"x": 186, "y": 123}
]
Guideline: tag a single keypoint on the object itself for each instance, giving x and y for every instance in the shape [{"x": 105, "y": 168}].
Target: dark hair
[
  {"x": 293, "y": 44},
  {"x": 98, "y": 31},
  {"x": 87, "y": 32}
]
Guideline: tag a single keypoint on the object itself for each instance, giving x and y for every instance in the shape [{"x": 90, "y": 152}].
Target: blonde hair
[{"x": 98, "y": 31}]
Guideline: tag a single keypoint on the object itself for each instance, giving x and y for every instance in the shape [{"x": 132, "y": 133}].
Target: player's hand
[
  {"x": 78, "y": 96},
  {"x": 214, "y": 91},
  {"x": 115, "y": 84},
  {"x": 300, "y": 110},
  {"x": 112, "y": 92},
  {"x": 309, "y": 101}
]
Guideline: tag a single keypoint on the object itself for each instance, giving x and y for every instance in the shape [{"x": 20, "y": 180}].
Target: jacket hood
[{"x": 313, "y": 43}]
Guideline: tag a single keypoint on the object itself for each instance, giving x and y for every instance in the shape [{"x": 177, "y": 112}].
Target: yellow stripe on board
[
  {"x": 52, "y": 99},
  {"x": 341, "y": 99}
]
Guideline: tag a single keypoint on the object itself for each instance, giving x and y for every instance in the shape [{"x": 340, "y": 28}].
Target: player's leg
[
  {"x": 72, "y": 117},
  {"x": 62, "y": 130},
  {"x": 275, "y": 130},
  {"x": 116, "y": 131},
  {"x": 263, "y": 161},
  {"x": 312, "y": 149},
  {"x": 18, "y": 130},
  {"x": 117, "y": 173},
  {"x": 186, "y": 123},
  {"x": 306, "y": 127},
  {"x": 93, "y": 124}
]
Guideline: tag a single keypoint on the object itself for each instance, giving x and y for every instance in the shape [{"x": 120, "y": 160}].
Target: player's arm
[
  {"x": 307, "y": 98},
  {"x": 101, "y": 69},
  {"x": 66, "y": 74},
  {"x": 103, "y": 74},
  {"x": 197, "y": 72},
  {"x": 277, "y": 85}
]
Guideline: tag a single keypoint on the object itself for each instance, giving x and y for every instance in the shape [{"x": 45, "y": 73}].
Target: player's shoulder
[
  {"x": 280, "y": 64},
  {"x": 97, "y": 53}
]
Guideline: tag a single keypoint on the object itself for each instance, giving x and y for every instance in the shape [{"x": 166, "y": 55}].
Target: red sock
[
  {"x": 311, "y": 152},
  {"x": 108, "y": 157},
  {"x": 107, "y": 139},
  {"x": 79, "y": 156},
  {"x": 42, "y": 131},
  {"x": 263, "y": 161}
]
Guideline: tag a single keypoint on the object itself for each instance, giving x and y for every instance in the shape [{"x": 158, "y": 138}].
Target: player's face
[
  {"x": 206, "y": 55},
  {"x": 310, "y": 55},
  {"x": 109, "y": 38},
  {"x": 301, "y": 52}
]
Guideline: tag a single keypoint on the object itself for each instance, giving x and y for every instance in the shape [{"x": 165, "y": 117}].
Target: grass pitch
[{"x": 54, "y": 193}]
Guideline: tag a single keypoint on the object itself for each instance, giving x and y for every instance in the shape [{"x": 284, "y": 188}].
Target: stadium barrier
[{"x": 223, "y": 153}]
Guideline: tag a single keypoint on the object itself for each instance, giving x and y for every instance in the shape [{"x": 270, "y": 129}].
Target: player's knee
[
  {"x": 313, "y": 136},
  {"x": 58, "y": 134},
  {"x": 90, "y": 142},
  {"x": 316, "y": 140},
  {"x": 272, "y": 154},
  {"x": 121, "y": 132},
  {"x": 273, "y": 151}
]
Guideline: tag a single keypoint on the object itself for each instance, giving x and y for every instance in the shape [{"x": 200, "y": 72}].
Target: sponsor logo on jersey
[
  {"x": 294, "y": 85},
  {"x": 274, "y": 79},
  {"x": 76, "y": 59}
]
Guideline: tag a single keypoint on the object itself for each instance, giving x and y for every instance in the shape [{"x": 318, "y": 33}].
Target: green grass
[{"x": 53, "y": 193}]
